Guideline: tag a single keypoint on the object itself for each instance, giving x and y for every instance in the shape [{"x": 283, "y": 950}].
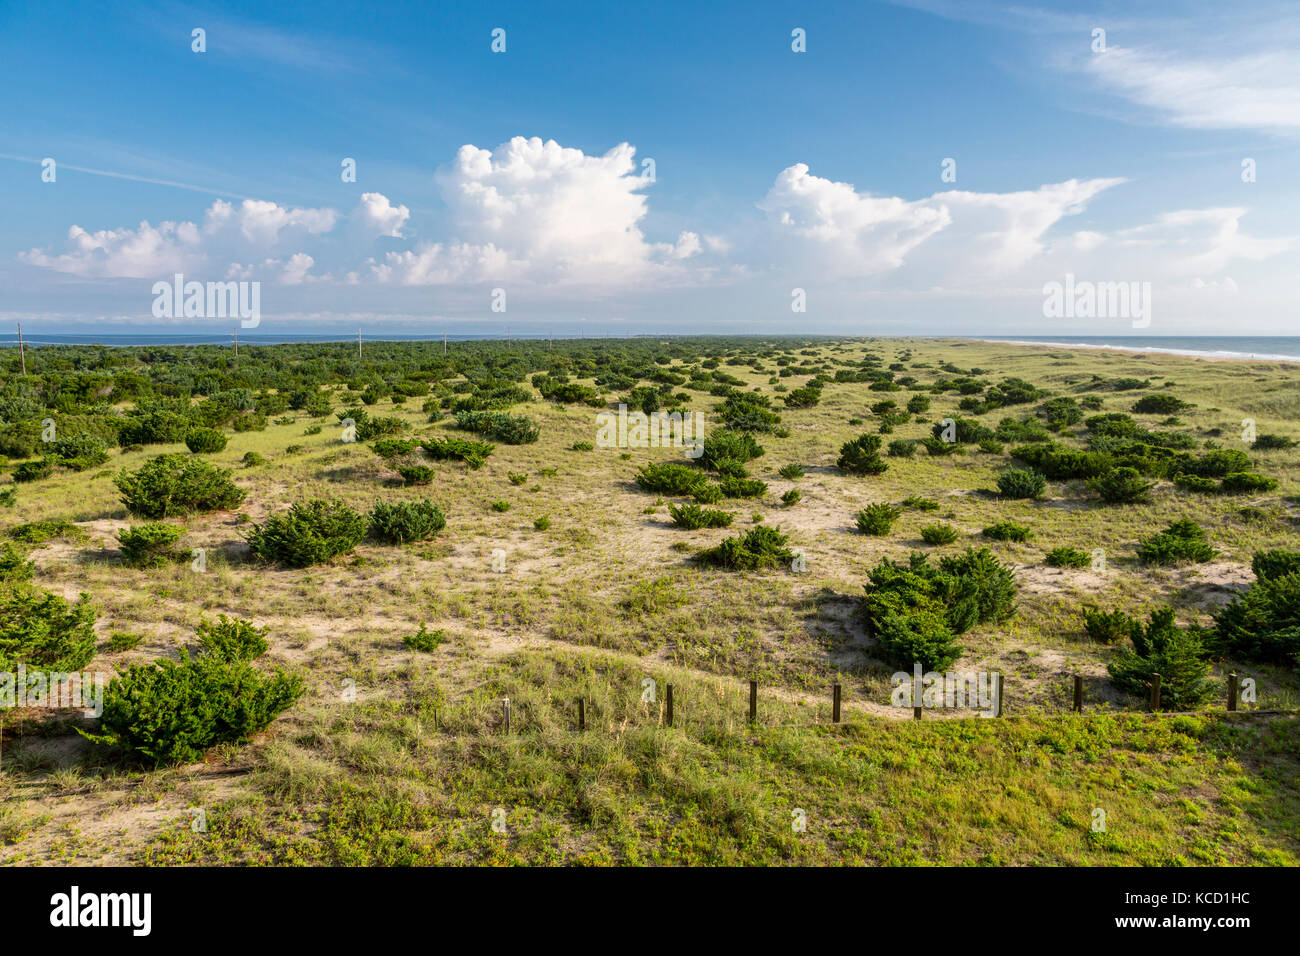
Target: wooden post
[
  {"x": 1001, "y": 694},
  {"x": 582, "y": 714},
  {"x": 669, "y": 715},
  {"x": 835, "y": 704},
  {"x": 358, "y": 343},
  {"x": 1078, "y": 694},
  {"x": 1232, "y": 691},
  {"x": 236, "y": 341},
  {"x": 753, "y": 701},
  {"x": 1155, "y": 692},
  {"x": 506, "y": 708},
  {"x": 22, "y": 355}
]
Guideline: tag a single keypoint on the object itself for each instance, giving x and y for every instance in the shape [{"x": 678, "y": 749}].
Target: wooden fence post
[
  {"x": 1078, "y": 694},
  {"x": 1155, "y": 692},
  {"x": 670, "y": 705},
  {"x": 1232, "y": 691},
  {"x": 753, "y": 701},
  {"x": 1001, "y": 694},
  {"x": 505, "y": 706},
  {"x": 835, "y": 704},
  {"x": 582, "y": 714}
]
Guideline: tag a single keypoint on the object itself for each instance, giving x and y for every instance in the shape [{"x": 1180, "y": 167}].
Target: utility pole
[
  {"x": 22, "y": 356},
  {"x": 444, "y": 342},
  {"x": 236, "y": 341},
  {"x": 358, "y": 343}
]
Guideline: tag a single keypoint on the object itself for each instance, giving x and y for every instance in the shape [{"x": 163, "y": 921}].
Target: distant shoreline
[{"x": 1210, "y": 356}]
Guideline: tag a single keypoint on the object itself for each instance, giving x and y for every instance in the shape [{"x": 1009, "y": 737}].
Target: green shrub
[
  {"x": 1245, "y": 482},
  {"x": 1159, "y": 405},
  {"x": 205, "y": 441},
  {"x": 149, "y": 545},
  {"x": 791, "y": 497},
  {"x": 692, "y": 516},
  {"x": 516, "y": 477},
  {"x": 707, "y": 494},
  {"x": 14, "y": 565},
  {"x": 877, "y": 519},
  {"x": 1273, "y": 442},
  {"x": 424, "y": 640},
  {"x": 729, "y": 446},
  {"x": 8, "y": 497},
  {"x": 38, "y": 532},
  {"x": 1122, "y": 486},
  {"x": 916, "y": 611},
  {"x": 669, "y": 478},
  {"x": 1196, "y": 483},
  {"x": 734, "y": 487},
  {"x": 937, "y": 534},
  {"x": 759, "y": 548},
  {"x": 791, "y": 472},
  {"x": 34, "y": 470},
  {"x": 583, "y": 446},
  {"x": 252, "y": 459},
  {"x": 921, "y": 504},
  {"x": 1218, "y": 463},
  {"x": 1263, "y": 624},
  {"x": 442, "y": 449},
  {"x": 308, "y": 533},
  {"x": 1007, "y": 531},
  {"x": 1175, "y": 654},
  {"x": 1275, "y": 564},
  {"x": 902, "y": 448},
  {"x": 416, "y": 474},
  {"x": 1181, "y": 541},
  {"x": 1020, "y": 483},
  {"x": 505, "y": 428},
  {"x": 542, "y": 524},
  {"x": 1109, "y": 627},
  {"x": 171, "y": 485},
  {"x": 232, "y": 639},
  {"x": 123, "y": 641},
  {"x": 40, "y": 630},
  {"x": 861, "y": 456},
  {"x": 405, "y": 521},
  {"x": 170, "y": 712},
  {"x": 1067, "y": 557}
]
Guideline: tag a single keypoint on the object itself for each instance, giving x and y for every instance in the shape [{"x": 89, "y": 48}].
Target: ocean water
[{"x": 1275, "y": 347}]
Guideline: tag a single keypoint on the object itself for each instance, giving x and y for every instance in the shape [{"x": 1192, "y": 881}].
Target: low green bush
[
  {"x": 149, "y": 545},
  {"x": 1175, "y": 654},
  {"x": 877, "y": 519},
  {"x": 861, "y": 456},
  {"x": 205, "y": 441},
  {"x": 1007, "y": 531},
  {"x": 759, "y": 548},
  {"x": 1067, "y": 557},
  {"x": 424, "y": 640},
  {"x": 310, "y": 532},
  {"x": 692, "y": 516},
  {"x": 1181, "y": 541},
  {"x": 1021, "y": 483},
  {"x": 937, "y": 534},
  {"x": 1122, "y": 486},
  {"x": 405, "y": 521},
  {"x": 1245, "y": 483},
  {"x": 41, "y": 630},
  {"x": 1108, "y": 627},
  {"x": 173, "y": 485}
]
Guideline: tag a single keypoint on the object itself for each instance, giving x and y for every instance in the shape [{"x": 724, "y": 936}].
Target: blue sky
[{"x": 774, "y": 170}]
